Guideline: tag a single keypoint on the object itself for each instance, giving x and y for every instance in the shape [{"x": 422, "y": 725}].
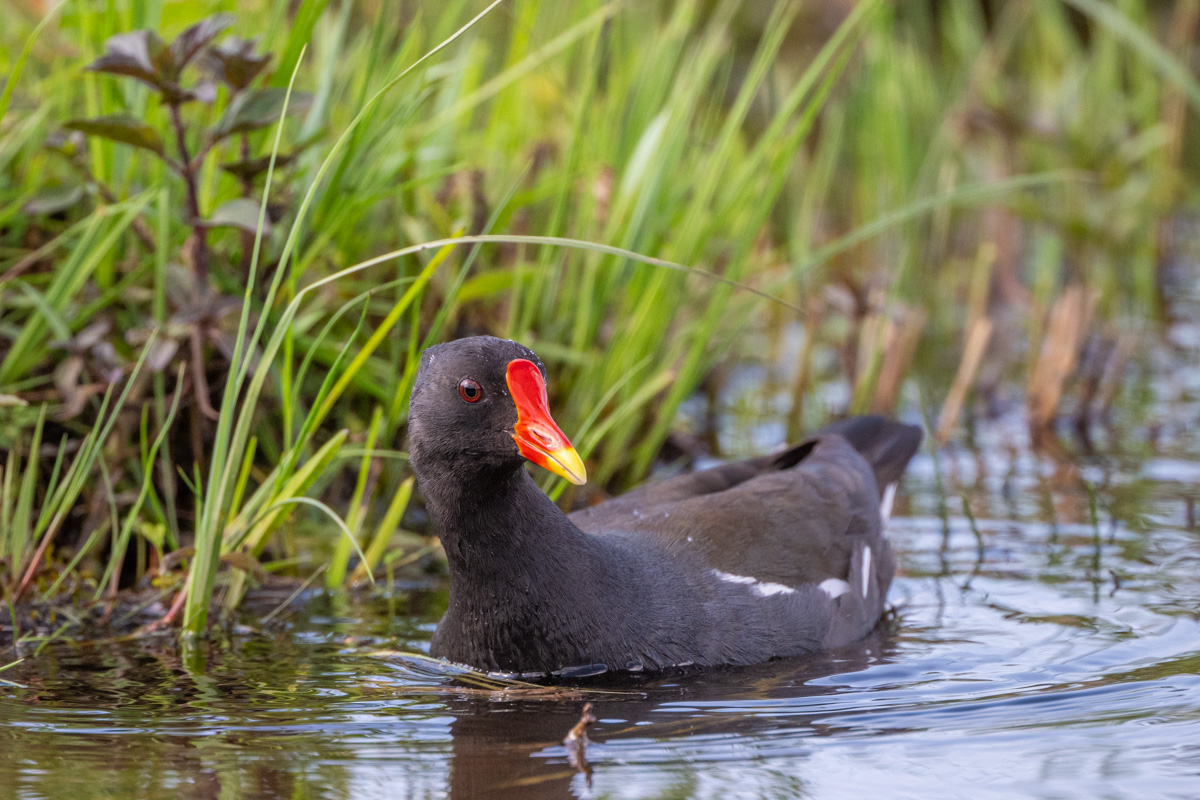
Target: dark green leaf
[
  {"x": 251, "y": 168},
  {"x": 258, "y": 108},
  {"x": 140, "y": 54},
  {"x": 52, "y": 201},
  {"x": 144, "y": 55},
  {"x": 239, "y": 213},
  {"x": 189, "y": 43},
  {"x": 235, "y": 62},
  {"x": 120, "y": 128}
]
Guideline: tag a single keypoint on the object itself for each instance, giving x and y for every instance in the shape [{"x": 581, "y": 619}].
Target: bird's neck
[
  {"x": 519, "y": 572},
  {"x": 496, "y": 524}
]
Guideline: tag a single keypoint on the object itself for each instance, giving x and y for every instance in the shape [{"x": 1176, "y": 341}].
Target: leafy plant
[{"x": 236, "y": 64}]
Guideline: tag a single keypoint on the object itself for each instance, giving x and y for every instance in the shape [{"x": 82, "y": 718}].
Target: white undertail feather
[
  {"x": 885, "y": 505},
  {"x": 866, "y": 570}
]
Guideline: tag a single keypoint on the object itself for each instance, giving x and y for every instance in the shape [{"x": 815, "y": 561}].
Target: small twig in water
[
  {"x": 979, "y": 545},
  {"x": 576, "y": 742}
]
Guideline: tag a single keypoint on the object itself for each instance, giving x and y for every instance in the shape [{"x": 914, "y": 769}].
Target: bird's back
[{"x": 798, "y": 534}]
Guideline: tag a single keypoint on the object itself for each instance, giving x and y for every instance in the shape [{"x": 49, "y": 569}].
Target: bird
[{"x": 777, "y": 556}]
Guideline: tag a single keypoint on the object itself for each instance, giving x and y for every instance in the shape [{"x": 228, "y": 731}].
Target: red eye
[{"x": 470, "y": 391}]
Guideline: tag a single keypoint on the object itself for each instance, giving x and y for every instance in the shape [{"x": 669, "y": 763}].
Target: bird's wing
[{"x": 804, "y": 523}]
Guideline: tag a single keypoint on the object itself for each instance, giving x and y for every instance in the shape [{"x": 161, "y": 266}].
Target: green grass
[{"x": 642, "y": 195}]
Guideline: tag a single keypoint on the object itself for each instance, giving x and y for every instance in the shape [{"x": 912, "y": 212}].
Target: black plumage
[{"x": 776, "y": 556}]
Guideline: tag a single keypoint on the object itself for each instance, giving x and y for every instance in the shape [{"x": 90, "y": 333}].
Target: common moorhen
[{"x": 776, "y": 556}]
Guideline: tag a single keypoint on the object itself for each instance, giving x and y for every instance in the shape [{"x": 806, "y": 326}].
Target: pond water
[{"x": 1051, "y": 648}]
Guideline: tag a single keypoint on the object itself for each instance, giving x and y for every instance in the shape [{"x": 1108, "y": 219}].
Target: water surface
[{"x": 1049, "y": 649}]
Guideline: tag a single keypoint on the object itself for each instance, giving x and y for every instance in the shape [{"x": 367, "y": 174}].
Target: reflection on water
[{"x": 1050, "y": 648}]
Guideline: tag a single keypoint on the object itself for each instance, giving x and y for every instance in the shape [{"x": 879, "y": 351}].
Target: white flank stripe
[
  {"x": 768, "y": 589},
  {"x": 834, "y": 587},
  {"x": 885, "y": 505},
  {"x": 866, "y": 569},
  {"x": 760, "y": 588}
]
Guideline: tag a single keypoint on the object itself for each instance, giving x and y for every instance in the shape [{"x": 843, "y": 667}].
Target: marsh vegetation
[{"x": 226, "y": 237}]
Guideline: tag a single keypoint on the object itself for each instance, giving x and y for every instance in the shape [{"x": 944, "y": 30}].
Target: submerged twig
[{"x": 576, "y": 741}]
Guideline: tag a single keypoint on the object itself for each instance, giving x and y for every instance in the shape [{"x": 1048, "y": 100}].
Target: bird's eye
[{"x": 470, "y": 391}]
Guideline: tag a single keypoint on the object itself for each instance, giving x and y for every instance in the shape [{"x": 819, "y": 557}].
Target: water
[
  {"x": 1050, "y": 650},
  {"x": 1048, "y": 657}
]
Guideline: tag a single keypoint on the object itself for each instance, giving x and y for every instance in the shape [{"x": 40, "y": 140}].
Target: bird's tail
[{"x": 887, "y": 445}]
